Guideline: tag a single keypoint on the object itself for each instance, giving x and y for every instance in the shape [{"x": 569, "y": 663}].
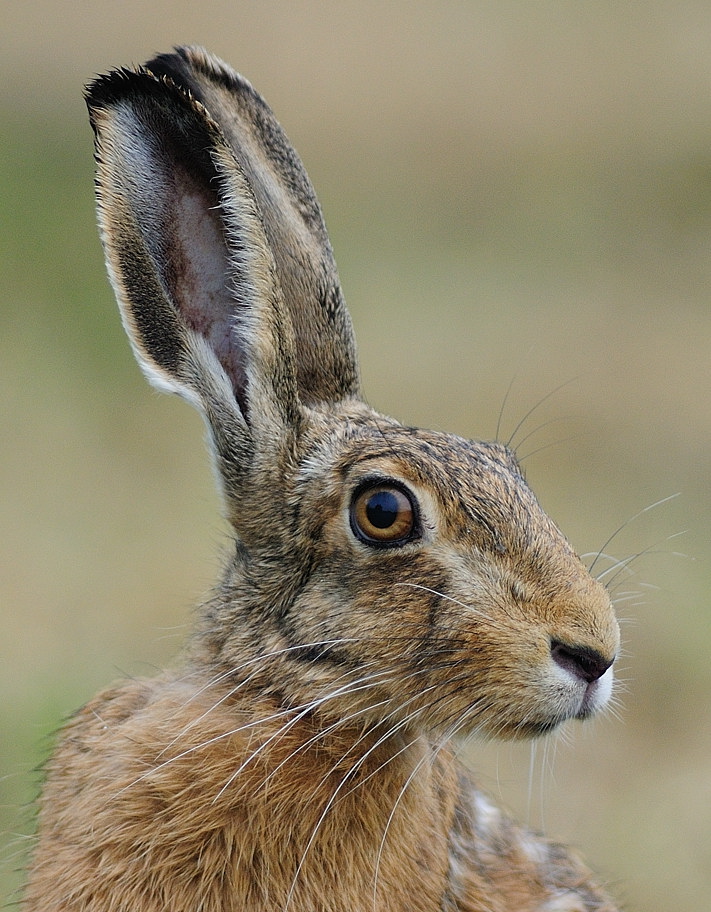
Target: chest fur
[{"x": 238, "y": 807}]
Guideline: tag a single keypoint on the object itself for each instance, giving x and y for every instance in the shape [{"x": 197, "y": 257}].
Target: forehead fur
[{"x": 478, "y": 486}]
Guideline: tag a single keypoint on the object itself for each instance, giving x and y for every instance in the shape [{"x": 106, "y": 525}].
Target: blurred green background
[{"x": 518, "y": 193}]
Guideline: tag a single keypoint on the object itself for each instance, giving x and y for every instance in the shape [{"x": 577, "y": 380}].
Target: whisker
[
  {"x": 435, "y": 750},
  {"x": 624, "y": 564},
  {"x": 531, "y": 776},
  {"x": 322, "y": 733},
  {"x": 546, "y": 446},
  {"x": 365, "y": 711},
  {"x": 543, "y": 425},
  {"x": 307, "y": 708},
  {"x": 300, "y": 710},
  {"x": 231, "y": 672},
  {"x": 625, "y": 594},
  {"x": 627, "y": 522},
  {"x": 418, "y": 766},
  {"x": 503, "y": 405},
  {"x": 534, "y": 408},
  {"x": 506, "y": 396},
  {"x": 454, "y": 601},
  {"x": 361, "y": 760},
  {"x": 403, "y": 724}
]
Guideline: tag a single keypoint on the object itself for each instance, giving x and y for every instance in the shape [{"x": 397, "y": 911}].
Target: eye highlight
[{"x": 383, "y": 515}]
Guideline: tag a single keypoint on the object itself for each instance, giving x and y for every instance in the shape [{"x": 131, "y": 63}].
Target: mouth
[
  {"x": 596, "y": 696},
  {"x": 581, "y": 702}
]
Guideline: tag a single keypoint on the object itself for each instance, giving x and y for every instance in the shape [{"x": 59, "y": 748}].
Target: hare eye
[{"x": 383, "y": 515}]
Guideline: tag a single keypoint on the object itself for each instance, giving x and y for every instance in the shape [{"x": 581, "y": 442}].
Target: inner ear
[
  {"x": 175, "y": 196},
  {"x": 199, "y": 273}
]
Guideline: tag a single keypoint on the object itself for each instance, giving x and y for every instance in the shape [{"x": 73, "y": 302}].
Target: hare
[{"x": 388, "y": 589}]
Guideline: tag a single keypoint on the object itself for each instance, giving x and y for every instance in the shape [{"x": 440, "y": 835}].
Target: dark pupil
[{"x": 382, "y": 509}]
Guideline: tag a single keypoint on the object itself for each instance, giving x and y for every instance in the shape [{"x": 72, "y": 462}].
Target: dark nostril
[{"x": 585, "y": 663}]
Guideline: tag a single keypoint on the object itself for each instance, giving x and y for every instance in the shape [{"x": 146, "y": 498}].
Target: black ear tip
[
  {"x": 116, "y": 85},
  {"x": 194, "y": 68},
  {"x": 175, "y": 66},
  {"x": 165, "y": 93}
]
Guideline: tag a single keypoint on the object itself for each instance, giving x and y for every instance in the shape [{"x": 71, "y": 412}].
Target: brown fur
[{"x": 302, "y": 755}]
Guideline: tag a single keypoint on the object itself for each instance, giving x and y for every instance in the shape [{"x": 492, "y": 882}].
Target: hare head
[{"x": 381, "y": 573}]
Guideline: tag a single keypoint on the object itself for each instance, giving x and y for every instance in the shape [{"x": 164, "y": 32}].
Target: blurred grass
[{"x": 516, "y": 195}]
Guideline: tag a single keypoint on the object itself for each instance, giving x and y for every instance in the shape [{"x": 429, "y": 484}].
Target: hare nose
[{"x": 581, "y": 661}]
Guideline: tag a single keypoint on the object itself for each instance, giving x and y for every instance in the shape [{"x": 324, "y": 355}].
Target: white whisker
[
  {"x": 626, "y": 523},
  {"x": 451, "y": 598},
  {"x": 232, "y": 672}
]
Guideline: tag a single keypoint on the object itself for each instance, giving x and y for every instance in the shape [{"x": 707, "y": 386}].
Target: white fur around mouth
[
  {"x": 597, "y": 694},
  {"x": 583, "y": 699}
]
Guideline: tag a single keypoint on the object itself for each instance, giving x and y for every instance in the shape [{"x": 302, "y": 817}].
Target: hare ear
[
  {"x": 327, "y": 368},
  {"x": 192, "y": 268}
]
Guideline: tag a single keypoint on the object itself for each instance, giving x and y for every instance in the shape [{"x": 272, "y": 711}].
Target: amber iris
[{"x": 383, "y": 514}]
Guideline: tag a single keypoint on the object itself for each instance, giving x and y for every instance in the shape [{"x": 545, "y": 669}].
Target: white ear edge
[{"x": 207, "y": 365}]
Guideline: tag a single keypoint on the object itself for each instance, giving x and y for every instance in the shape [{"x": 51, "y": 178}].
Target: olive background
[{"x": 519, "y": 198}]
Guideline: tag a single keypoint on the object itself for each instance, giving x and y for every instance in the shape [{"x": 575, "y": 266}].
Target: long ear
[
  {"x": 192, "y": 269},
  {"x": 327, "y": 368}
]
